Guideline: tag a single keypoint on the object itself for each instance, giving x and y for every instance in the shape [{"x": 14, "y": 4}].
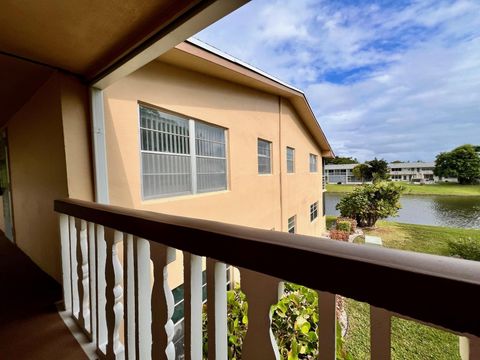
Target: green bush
[
  {"x": 468, "y": 249},
  {"x": 344, "y": 226},
  {"x": 371, "y": 202},
  {"x": 353, "y": 222}
]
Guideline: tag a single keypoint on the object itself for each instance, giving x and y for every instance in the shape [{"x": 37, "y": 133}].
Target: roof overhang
[
  {"x": 194, "y": 56},
  {"x": 98, "y": 42}
]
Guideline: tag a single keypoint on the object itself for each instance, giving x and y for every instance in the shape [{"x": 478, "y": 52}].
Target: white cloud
[{"x": 401, "y": 82}]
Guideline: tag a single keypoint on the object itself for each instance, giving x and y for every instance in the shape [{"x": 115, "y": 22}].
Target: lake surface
[{"x": 452, "y": 211}]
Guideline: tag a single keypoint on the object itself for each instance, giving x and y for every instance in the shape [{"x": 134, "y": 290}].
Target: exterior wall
[
  {"x": 251, "y": 199},
  {"x": 44, "y": 167},
  {"x": 301, "y": 188}
]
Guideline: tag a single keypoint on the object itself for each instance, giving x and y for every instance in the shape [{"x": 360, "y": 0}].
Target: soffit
[
  {"x": 82, "y": 37},
  {"x": 19, "y": 81}
]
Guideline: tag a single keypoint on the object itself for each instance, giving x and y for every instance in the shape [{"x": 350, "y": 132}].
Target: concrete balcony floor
[{"x": 30, "y": 326}]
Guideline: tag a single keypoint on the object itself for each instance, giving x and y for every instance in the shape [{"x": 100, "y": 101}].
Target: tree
[
  {"x": 371, "y": 202},
  {"x": 362, "y": 171},
  {"x": 462, "y": 162},
  {"x": 378, "y": 170},
  {"x": 341, "y": 160}
]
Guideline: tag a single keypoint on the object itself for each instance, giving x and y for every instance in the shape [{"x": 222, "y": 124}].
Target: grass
[
  {"x": 410, "y": 340},
  {"x": 427, "y": 189}
]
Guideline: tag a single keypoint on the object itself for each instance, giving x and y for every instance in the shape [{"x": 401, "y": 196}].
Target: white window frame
[
  {"x": 192, "y": 155},
  {"x": 264, "y": 156},
  {"x": 313, "y": 164},
  {"x": 292, "y": 224},
  {"x": 290, "y": 162},
  {"x": 314, "y": 211}
]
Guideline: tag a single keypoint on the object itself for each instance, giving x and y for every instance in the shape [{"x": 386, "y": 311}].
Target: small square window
[
  {"x": 290, "y": 160},
  {"x": 291, "y": 224}
]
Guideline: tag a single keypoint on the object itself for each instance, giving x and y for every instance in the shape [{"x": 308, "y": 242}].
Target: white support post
[
  {"x": 261, "y": 292},
  {"x": 193, "y": 157},
  {"x": 327, "y": 326},
  {"x": 66, "y": 269},
  {"x": 99, "y": 146},
  {"x": 193, "y": 306}
]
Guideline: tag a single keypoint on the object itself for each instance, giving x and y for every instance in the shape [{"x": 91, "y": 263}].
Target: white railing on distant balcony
[{"x": 125, "y": 316}]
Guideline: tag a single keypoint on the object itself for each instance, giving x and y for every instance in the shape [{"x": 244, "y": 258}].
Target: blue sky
[{"x": 398, "y": 80}]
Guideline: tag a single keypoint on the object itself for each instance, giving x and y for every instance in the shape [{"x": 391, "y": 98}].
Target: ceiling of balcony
[{"x": 79, "y": 36}]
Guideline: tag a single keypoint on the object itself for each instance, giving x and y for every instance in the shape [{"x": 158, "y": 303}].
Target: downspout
[
  {"x": 99, "y": 147},
  {"x": 281, "y": 162}
]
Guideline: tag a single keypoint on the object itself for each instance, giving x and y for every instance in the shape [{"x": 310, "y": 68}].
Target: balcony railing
[{"x": 124, "y": 316}]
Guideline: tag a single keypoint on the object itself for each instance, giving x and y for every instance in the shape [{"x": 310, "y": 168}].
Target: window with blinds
[
  {"x": 180, "y": 156},
  {"x": 290, "y": 160},
  {"x": 264, "y": 157},
  {"x": 314, "y": 211},
  {"x": 291, "y": 224},
  {"x": 313, "y": 163}
]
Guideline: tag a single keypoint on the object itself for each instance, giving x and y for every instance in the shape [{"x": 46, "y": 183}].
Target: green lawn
[
  {"x": 428, "y": 189},
  {"x": 410, "y": 340}
]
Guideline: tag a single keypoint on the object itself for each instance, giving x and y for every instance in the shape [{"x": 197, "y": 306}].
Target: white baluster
[
  {"x": 143, "y": 294},
  {"x": 74, "y": 263},
  {"x": 93, "y": 280},
  {"x": 162, "y": 303},
  {"x": 66, "y": 269},
  {"x": 84, "y": 277},
  {"x": 129, "y": 299},
  {"x": 261, "y": 292},
  {"x": 101, "y": 249},
  {"x": 193, "y": 306},
  {"x": 380, "y": 333},
  {"x": 217, "y": 310},
  {"x": 326, "y": 329},
  {"x": 114, "y": 295}
]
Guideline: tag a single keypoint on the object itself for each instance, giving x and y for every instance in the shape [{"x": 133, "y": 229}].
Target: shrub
[
  {"x": 468, "y": 249},
  {"x": 339, "y": 235},
  {"x": 344, "y": 226},
  {"x": 353, "y": 222},
  {"x": 371, "y": 202}
]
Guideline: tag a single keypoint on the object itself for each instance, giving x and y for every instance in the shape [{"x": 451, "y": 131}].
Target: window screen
[
  {"x": 210, "y": 157},
  {"x": 166, "y": 168},
  {"x": 171, "y": 164},
  {"x": 313, "y": 163},
  {"x": 264, "y": 157},
  {"x": 290, "y": 160}
]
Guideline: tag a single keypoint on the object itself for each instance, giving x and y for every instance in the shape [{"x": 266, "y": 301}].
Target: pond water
[{"x": 452, "y": 211}]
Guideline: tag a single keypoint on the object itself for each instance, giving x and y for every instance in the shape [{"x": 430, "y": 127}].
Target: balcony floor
[{"x": 30, "y": 327}]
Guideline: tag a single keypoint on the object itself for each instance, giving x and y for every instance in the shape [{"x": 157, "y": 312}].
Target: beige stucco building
[{"x": 245, "y": 114}]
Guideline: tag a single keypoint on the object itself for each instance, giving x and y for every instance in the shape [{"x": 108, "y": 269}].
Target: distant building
[{"x": 417, "y": 172}]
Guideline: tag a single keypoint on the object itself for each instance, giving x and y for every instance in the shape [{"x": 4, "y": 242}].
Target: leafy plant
[
  {"x": 343, "y": 225},
  {"x": 339, "y": 235},
  {"x": 371, "y": 202},
  {"x": 237, "y": 323},
  {"x": 468, "y": 249},
  {"x": 462, "y": 162},
  {"x": 353, "y": 222}
]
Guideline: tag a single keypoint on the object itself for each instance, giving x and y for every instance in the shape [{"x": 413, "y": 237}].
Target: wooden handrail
[{"x": 434, "y": 289}]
